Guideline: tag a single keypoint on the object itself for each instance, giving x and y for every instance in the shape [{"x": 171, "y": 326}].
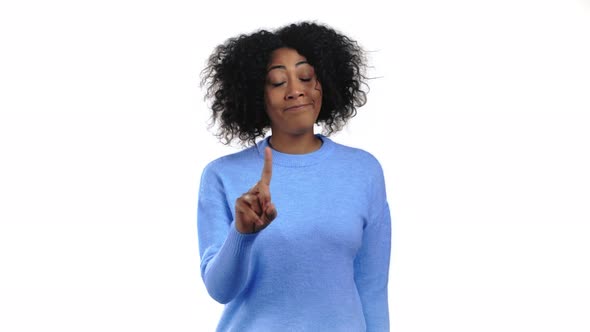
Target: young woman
[{"x": 294, "y": 230}]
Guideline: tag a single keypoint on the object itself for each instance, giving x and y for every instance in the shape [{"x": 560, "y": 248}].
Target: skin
[
  {"x": 291, "y": 81},
  {"x": 254, "y": 209},
  {"x": 293, "y": 98}
]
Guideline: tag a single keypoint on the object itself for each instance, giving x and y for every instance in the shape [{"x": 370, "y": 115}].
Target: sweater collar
[{"x": 298, "y": 160}]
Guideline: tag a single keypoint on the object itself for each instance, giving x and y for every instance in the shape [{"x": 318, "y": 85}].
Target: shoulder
[
  {"x": 230, "y": 162},
  {"x": 357, "y": 157},
  {"x": 362, "y": 170}
]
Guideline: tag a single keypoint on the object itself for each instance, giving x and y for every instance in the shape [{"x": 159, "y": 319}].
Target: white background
[{"x": 480, "y": 118}]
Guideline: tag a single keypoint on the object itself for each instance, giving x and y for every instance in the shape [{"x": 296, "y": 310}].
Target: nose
[{"x": 295, "y": 91}]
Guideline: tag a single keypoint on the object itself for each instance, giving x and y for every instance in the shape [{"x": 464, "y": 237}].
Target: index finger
[{"x": 267, "y": 169}]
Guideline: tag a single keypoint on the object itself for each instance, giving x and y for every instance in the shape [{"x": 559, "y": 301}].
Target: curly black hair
[{"x": 236, "y": 71}]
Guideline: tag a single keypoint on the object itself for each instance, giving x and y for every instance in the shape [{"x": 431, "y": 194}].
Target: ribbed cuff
[{"x": 236, "y": 243}]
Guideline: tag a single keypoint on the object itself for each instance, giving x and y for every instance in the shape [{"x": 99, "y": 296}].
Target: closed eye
[{"x": 281, "y": 83}]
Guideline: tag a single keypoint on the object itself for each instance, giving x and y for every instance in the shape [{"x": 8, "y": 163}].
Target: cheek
[
  {"x": 268, "y": 100},
  {"x": 271, "y": 104},
  {"x": 316, "y": 92}
]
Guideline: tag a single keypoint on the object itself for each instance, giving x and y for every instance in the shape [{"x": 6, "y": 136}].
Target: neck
[{"x": 295, "y": 144}]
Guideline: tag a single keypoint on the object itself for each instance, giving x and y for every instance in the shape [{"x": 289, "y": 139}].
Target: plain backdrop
[{"x": 479, "y": 113}]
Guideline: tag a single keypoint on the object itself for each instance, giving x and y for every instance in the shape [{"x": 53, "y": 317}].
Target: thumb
[{"x": 270, "y": 213}]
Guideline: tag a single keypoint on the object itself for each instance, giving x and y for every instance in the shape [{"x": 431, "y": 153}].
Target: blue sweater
[{"x": 321, "y": 265}]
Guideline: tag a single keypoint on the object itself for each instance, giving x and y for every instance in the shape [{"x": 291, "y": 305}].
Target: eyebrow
[{"x": 283, "y": 67}]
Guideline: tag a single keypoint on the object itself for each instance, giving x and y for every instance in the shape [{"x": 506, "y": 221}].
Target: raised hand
[{"x": 254, "y": 209}]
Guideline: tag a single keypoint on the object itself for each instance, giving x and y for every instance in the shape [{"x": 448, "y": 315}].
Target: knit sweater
[{"x": 321, "y": 265}]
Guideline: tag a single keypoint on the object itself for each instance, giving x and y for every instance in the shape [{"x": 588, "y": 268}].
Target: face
[{"x": 292, "y": 93}]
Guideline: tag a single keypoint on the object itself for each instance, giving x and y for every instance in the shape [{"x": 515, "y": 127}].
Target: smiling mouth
[{"x": 298, "y": 107}]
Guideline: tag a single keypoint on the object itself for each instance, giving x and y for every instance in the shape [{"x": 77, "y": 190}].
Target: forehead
[{"x": 285, "y": 57}]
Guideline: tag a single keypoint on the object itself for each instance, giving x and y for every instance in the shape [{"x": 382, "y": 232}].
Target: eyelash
[{"x": 302, "y": 79}]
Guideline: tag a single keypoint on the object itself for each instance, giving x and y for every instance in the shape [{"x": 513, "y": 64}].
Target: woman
[{"x": 294, "y": 231}]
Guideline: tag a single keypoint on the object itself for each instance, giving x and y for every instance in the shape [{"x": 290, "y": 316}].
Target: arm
[
  {"x": 371, "y": 264},
  {"x": 225, "y": 252},
  {"x": 225, "y": 243}
]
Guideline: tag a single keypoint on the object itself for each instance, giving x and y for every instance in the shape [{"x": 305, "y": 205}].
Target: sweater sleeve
[
  {"x": 225, "y": 252},
  {"x": 371, "y": 264}
]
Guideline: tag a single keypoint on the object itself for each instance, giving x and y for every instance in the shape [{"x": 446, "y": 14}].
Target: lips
[{"x": 297, "y": 107}]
